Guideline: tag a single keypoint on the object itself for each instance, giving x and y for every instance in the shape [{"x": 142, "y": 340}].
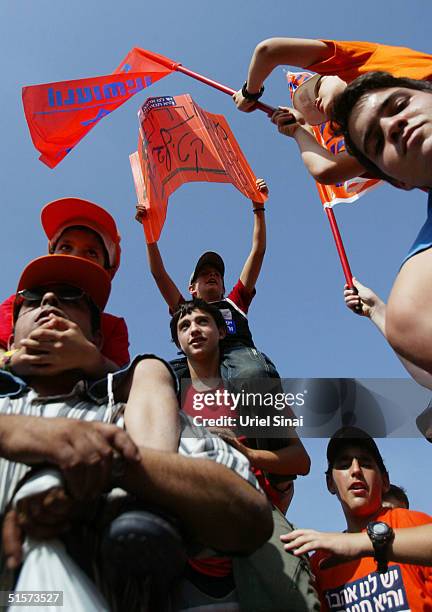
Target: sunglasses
[{"x": 65, "y": 293}]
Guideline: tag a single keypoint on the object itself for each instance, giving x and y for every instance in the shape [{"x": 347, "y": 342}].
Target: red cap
[
  {"x": 69, "y": 270},
  {"x": 60, "y": 214}
]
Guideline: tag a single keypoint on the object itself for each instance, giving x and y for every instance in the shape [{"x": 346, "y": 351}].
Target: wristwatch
[
  {"x": 251, "y": 97},
  {"x": 381, "y": 535}
]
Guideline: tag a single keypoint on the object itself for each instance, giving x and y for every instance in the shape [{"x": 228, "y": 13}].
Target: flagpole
[
  {"x": 195, "y": 75},
  {"x": 269, "y": 110}
]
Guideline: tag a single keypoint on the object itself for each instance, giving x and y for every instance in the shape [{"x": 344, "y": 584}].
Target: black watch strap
[
  {"x": 381, "y": 535},
  {"x": 253, "y": 97}
]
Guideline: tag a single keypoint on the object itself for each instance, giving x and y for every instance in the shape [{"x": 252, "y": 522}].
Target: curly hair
[{"x": 187, "y": 308}]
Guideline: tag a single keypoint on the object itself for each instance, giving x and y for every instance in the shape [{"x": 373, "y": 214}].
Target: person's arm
[
  {"x": 290, "y": 460},
  {"x": 152, "y": 410},
  {"x": 252, "y": 267},
  {"x": 164, "y": 282},
  {"x": 274, "y": 52},
  {"x": 83, "y": 451},
  {"x": 373, "y": 307},
  {"x": 215, "y": 506},
  {"x": 322, "y": 164},
  {"x": 410, "y": 545}
]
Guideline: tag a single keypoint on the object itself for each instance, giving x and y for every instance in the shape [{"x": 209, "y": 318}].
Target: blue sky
[{"x": 298, "y": 316}]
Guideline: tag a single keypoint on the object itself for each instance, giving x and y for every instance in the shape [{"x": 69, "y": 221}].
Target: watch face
[{"x": 380, "y": 529}]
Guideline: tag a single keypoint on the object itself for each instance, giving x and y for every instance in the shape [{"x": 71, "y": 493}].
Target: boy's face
[
  {"x": 328, "y": 88},
  {"x": 33, "y": 314},
  {"x": 198, "y": 335},
  {"x": 393, "y": 128},
  {"x": 357, "y": 481},
  {"x": 83, "y": 243},
  {"x": 209, "y": 285}
]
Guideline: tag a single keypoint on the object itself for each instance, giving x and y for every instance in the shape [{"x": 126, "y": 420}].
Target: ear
[
  {"x": 330, "y": 484},
  {"x": 222, "y": 333},
  {"x": 10, "y": 343},
  {"x": 192, "y": 290}
]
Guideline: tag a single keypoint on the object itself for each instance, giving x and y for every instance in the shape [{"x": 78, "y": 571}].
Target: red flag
[
  {"x": 180, "y": 142},
  {"x": 350, "y": 190},
  {"x": 60, "y": 114}
]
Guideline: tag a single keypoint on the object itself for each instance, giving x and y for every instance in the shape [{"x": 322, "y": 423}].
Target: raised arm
[
  {"x": 253, "y": 263},
  {"x": 273, "y": 52},
  {"x": 164, "y": 282}
]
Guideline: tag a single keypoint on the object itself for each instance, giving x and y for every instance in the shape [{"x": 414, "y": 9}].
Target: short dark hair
[
  {"x": 187, "y": 308},
  {"x": 345, "y": 102},
  {"x": 398, "y": 493}
]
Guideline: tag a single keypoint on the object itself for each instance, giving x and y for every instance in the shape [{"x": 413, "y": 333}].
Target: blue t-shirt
[{"x": 424, "y": 237}]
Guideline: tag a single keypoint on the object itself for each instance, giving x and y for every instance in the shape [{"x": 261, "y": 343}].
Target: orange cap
[
  {"x": 60, "y": 214},
  {"x": 69, "y": 270}
]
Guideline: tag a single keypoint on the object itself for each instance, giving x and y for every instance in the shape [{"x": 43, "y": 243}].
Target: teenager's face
[
  {"x": 209, "y": 285},
  {"x": 393, "y": 128},
  {"x": 198, "y": 335},
  {"x": 34, "y": 314},
  {"x": 83, "y": 243},
  {"x": 357, "y": 481}
]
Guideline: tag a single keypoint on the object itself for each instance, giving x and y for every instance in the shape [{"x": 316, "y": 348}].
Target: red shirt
[{"x": 115, "y": 333}]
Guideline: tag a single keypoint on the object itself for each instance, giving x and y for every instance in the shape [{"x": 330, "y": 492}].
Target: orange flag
[
  {"x": 350, "y": 190},
  {"x": 60, "y": 114},
  {"x": 180, "y": 142}
]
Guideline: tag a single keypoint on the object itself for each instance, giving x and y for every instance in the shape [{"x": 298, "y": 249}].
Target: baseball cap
[
  {"x": 69, "y": 270},
  {"x": 209, "y": 258},
  {"x": 58, "y": 215},
  {"x": 304, "y": 101},
  {"x": 349, "y": 435}
]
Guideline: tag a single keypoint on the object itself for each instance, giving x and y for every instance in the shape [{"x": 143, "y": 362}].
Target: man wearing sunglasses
[{"x": 230, "y": 515}]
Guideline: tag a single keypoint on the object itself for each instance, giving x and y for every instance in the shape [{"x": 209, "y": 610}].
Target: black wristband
[
  {"x": 259, "y": 209},
  {"x": 252, "y": 97}
]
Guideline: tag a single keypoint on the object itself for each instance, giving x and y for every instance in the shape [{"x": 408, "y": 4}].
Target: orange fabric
[
  {"x": 350, "y": 59},
  {"x": 60, "y": 114},
  {"x": 403, "y": 587},
  {"x": 180, "y": 142}
]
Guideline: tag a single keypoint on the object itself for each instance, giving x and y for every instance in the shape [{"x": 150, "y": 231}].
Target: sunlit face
[
  {"x": 198, "y": 335},
  {"x": 357, "y": 481},
  {"x": 209, "y": 285},
  {"x": 328, "y": 88},
  {"x": 34, "y": 314},
  {"x": 83, "y": 243},
  {"x": 393, "y": 128}
]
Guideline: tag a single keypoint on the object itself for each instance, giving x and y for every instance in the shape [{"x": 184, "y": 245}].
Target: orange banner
[
  {"x": 350, "y": 190},
  {"x": 179, "y": 142}
]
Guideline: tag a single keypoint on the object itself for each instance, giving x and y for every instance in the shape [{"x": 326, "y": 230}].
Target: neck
[
  {"x": 356, "y": 524},
  {"x": 206, "y": 371},
  {"x": 56, "y": 384}
]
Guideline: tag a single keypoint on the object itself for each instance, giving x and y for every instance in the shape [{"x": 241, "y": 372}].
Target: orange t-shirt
[
  {"x": 350, "y": 59},
  {"x": 356, "y": 585}
]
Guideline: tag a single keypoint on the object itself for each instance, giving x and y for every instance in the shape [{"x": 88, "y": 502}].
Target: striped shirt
[{"x": 85, "y": 404}]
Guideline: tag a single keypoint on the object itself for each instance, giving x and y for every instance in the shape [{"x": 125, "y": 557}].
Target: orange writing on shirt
[{"x": 179, "y": 142}]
